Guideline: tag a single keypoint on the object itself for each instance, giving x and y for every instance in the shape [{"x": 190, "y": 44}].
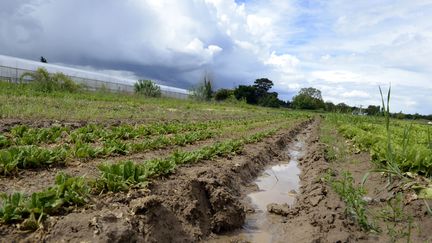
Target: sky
[{"x": 346, "y": 49}]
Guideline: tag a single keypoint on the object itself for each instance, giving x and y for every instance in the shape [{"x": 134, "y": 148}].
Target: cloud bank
[{"x": 346, "y": 49}]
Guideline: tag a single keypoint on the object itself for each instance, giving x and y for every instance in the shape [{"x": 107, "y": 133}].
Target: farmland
[{"x": 98, "y": 166}]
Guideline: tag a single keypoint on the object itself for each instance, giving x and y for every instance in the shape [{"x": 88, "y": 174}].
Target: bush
[
  {"x": 43, "y": 81},
  {"x": 223, "y": 94},
  {"x": 270, "y": 100},
  {"x": 246, "y": 92},
  {"x": 147, "y": 88}
]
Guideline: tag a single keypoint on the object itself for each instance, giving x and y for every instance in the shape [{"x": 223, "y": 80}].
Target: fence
[{"x": 12, "y": 68}]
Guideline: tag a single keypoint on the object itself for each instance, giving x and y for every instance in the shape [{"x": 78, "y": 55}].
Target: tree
[
  {"x": 204, "y": 90},
  {"x": 246, "y": 92},
  {"x": 147, "y": 88},
  {"x": 270, "y": 100},
  {"x": 223, "y": 94},
  {"x": 373, "y": 110},
  {"x": 262, "y": 86},
  {"x": 399, "y": 115},
  {"x": 308, "y": 98},
  {"x": 342, "y": 107},
  {"x": 329, "y": 106}
]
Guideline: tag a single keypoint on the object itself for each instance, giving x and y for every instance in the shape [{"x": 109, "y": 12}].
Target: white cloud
[
  {"x": 355, "y": 94},
  {"x": 336, "y": 76},
  {"x": 344, "y": 48},
  {"x": 284, "y": 63}
]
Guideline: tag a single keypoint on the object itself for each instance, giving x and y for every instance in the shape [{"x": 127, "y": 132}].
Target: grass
[{"x": 22, "y": 102}]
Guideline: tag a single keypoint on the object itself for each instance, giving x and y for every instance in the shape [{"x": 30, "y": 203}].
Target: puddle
[{"x": 278, "y": 184}]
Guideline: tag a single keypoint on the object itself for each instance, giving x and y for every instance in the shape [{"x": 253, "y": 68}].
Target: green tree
[
  {"x": 270, "y": 100},
  {"x": 373, "y": 110},
  {"x": 308, "y": 98},
  {"x": 262, "y": 86},
  {"x": 147, "y": 88},
  {"x": 246, "y": 92},
  {"x": 223, "y": 94},
  {"x": 203, "y": 91},
  {"x": 344, "y": 108},
  {"x": 329, "y": 106}
]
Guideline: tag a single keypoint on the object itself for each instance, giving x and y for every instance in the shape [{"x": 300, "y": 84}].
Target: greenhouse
[{"x": 12, "y": 68}]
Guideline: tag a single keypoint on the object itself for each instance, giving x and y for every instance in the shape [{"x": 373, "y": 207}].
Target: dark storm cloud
[{"x": 344, "y": 48}]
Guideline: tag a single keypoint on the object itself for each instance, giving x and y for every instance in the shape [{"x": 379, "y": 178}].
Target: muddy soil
[
  {"x": 209, "y": 202},
  {"x": 379, "y": 194},
  {"x": 317, "y": 214},
  {"x": 191, "y": 204}
]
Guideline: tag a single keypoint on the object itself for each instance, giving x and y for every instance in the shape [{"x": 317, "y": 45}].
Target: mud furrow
[{"x": 317, "y": 214}]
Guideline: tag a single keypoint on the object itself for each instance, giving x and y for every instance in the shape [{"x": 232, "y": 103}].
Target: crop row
[
  {"x": 32, "y": 156},
  {"x": 76, "y": 191},
  {"x": 25, "y": 135},
  {"x": 410, "y": 144}
]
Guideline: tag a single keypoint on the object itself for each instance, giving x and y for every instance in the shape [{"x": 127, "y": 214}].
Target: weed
[{"x": 353, "y": 198}]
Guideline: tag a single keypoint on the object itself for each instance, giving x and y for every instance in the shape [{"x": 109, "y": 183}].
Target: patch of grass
[
  {"x": 21, "y": 101},
  {"x": 334, "y": 150}
]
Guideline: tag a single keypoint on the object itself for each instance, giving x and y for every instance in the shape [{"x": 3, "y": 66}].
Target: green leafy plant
[
  {"x": 12, "y": 207},
  {"x": 67, "y": 191},
  {"x": 119, "y": 176},
  {"x": 147, "y": 88}
]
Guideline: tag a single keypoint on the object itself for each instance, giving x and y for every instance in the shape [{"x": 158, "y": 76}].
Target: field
[{"x": 98, "y": 167}]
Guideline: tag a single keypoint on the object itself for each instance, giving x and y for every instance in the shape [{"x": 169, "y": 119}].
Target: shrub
[
  {"x": 223, "y": 94},
  {"x": 204, "y": 91},
  {"x": 43, "y": 81},
  {"x": 147, "y": 88}
]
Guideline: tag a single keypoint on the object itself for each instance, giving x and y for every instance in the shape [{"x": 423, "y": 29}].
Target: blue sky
[{"x": 345, "y": 48}]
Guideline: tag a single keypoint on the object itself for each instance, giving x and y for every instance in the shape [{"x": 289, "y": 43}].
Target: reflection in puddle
[{"x": 278, "y": 184}]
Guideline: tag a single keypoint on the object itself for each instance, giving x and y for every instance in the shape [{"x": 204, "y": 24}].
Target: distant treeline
[{"x": 307, "y": 98}]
